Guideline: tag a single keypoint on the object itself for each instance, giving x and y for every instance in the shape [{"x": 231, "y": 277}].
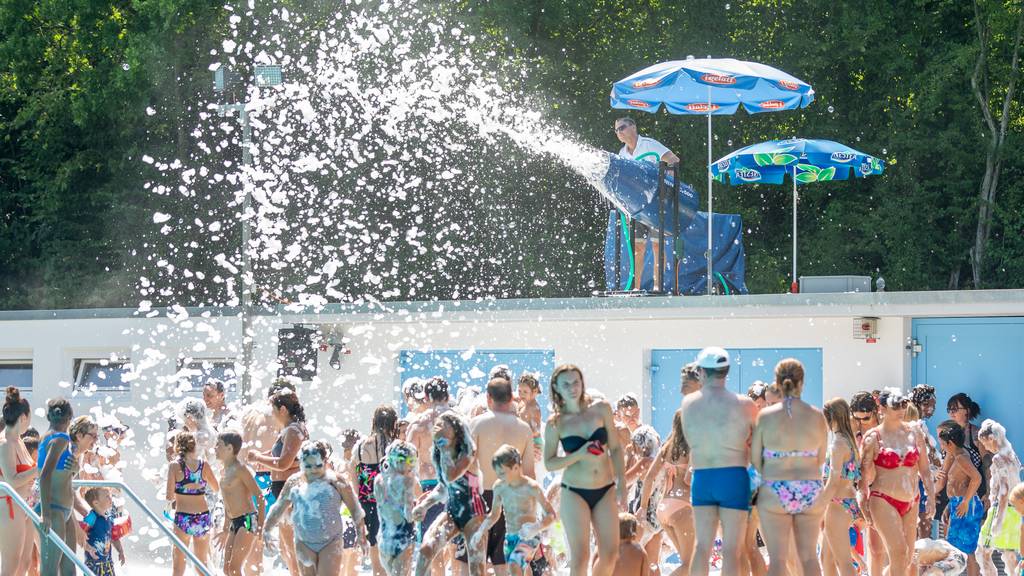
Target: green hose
[
  {"x": 725, "y": 285},
  {"x": 632, "y": 264}
]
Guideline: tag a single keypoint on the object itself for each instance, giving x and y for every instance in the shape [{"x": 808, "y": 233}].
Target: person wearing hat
[{"x": 718, "y": 425}]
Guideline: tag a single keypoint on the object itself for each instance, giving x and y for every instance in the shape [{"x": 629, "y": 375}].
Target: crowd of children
[{"x": 479, "y": 484}]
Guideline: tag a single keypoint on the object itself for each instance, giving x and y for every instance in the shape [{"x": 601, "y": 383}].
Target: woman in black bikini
[
  {"x": 282, "y": 460},
  {"x": 366, "y": 466},
  {"x": 592, "y": 463}
]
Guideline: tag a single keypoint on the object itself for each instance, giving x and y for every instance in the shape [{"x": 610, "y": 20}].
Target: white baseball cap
[{"x": 713, "y": 357}]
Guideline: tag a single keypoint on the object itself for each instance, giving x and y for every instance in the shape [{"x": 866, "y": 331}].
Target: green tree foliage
[
  {"x": 76, "y": 78},
  {"x": 88, "y": 87}
]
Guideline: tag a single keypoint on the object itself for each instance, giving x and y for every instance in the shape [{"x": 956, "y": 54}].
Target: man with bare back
[{"x": 718, "y": 426}]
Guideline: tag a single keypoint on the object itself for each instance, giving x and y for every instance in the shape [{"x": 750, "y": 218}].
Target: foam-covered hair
[
  {"x": 310, "y": 447},
  {"x": 990, "y": 427},
  {"x": 463, "y": 441},
  {"x": 401, "y": 448},
  {"x": 891, "y": 396},
  {"x": 647, "y": 441}
]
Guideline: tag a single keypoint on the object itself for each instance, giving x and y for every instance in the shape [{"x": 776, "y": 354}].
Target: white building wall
[{"x": 610, "y": 339}]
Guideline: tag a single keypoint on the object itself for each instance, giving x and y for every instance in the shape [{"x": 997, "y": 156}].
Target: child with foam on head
[
  {"x": 961, "y": 480},
  {"x": 99, "y": 533},
  {"x": 244, "y": 505},
  {"x": 396, "y": 491},
  {"x": 519, "y": 496}
]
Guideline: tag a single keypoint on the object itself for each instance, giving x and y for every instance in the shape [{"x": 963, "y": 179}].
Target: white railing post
[
  {"x": 200, "y": 567},
  {"x": 8, "y": 490}
]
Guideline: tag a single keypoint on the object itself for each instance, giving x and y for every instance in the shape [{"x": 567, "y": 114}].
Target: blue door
[
  {"x": 461, "y": 368},
  {"x": 749, "y": 365},
  {"x": 979, "y": 356}
]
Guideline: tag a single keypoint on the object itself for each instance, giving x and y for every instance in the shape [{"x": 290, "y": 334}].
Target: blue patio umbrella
[
  {"x": 804, "y": 161},
  {"x": 710, "y": 87}
]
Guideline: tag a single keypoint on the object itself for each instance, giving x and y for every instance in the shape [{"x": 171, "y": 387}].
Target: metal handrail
[
  {"x": 11, "y": 493},
  {"x": 200, "y": 567}
]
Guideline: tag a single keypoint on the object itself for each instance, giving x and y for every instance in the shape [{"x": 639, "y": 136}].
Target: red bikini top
[{"x": 890, "y": 459}]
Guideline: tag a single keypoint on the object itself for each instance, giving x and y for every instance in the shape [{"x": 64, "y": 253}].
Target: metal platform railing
[
  {"x": 8, "y": 491},
  {"x": 200, "y": 567}
]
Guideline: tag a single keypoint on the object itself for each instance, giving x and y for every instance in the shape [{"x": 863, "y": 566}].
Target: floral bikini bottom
[
  {"x": 796, "y": 496},
  {"x": 851, "y": 506},
  {"x": 193, "y": 524}
]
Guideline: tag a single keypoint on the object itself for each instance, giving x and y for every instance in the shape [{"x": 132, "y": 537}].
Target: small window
[
  {"x": 200, "y": 371},
  {"x": 103, "y": 375},
  {"x": 17, "y": 373}
]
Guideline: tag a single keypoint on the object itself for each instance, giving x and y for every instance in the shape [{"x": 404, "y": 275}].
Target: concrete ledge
[{"x": 882, "y": 304}]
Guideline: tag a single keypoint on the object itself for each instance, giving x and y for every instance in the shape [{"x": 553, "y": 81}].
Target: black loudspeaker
[{"x": 296, "y": 352}]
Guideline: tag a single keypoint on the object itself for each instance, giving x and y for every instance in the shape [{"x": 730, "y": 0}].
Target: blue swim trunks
[
  {"x": 723, "y": 487},
  {"x": 964, "y": 530}
]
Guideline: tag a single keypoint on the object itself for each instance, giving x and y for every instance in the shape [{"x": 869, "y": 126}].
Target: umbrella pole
[
  {"x": 708, "y": 165},
  {"x": 795, "y": 287}
]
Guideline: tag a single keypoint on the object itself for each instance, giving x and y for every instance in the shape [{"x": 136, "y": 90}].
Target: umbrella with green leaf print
[{"x": 804, "y": 161}]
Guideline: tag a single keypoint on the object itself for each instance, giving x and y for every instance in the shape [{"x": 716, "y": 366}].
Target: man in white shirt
[{"x": 642, "y": 149}]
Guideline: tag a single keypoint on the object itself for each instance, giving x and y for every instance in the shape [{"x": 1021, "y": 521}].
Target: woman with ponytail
[
  {"x": 843, "y": 466},
  {"x": 57, "y": 468},
  {"x": 788, "y": 449},
  {"x": 283, "y": 459},
  {"x": 18, "y": 469}
]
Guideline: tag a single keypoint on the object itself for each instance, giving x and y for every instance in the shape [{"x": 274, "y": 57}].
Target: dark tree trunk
[{"x": 996, "y": 128}]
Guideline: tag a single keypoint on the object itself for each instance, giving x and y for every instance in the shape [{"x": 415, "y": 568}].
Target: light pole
[{"x": 223, "y": 78}]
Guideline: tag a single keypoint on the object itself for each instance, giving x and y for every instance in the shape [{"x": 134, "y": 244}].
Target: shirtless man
[
  {"x": 491, "y": 430},
  {"x": 421, "y": 435},
  {"x": 243, "y": 522},
  {"x": 718, "y": 426},
  {"x": 259, "y": 432}
]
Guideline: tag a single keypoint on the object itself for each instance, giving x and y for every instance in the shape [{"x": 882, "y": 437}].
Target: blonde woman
[
  {"x": 893, "y": 458},
  {"x": 843, "y": 465}
]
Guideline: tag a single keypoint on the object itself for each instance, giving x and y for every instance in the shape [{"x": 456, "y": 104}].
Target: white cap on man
[{"x": 713, "y": 357}]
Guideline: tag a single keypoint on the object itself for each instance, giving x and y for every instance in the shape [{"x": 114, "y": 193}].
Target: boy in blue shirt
[{"x": 99, "y": 527}]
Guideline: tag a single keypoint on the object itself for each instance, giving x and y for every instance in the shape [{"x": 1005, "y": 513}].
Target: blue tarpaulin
[
  {"x": 729, "y": 257},
  {"x": 633, "y": 187}
]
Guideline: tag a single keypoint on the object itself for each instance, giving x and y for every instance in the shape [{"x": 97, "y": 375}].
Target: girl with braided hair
[{"x": 454, "y": 457}]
